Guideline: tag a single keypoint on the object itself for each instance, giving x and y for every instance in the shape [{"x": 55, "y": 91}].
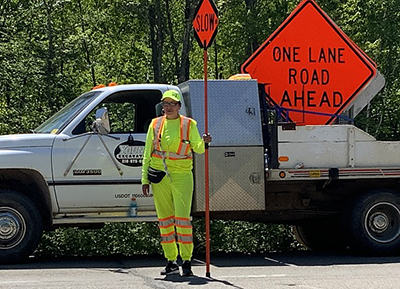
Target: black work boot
[
  {"x": 187, "y": 269},
  {"x": 171, "y": 268}
]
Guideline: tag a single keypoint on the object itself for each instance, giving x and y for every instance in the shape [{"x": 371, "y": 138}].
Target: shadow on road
[
  {"x": 298, "y": 258},
  {"x": 196, "y": 280}
]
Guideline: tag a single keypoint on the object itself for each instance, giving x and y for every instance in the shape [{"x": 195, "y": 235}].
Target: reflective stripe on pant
[{"x": 173, "y": 201}]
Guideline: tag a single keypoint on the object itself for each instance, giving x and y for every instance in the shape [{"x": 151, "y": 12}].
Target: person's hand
[
  {"x": 207, "y": 137},
  {"x": 145, "y": 190}
]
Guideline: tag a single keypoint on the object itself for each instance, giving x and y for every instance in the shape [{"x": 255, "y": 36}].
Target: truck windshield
[{"x": 59, "y": 120}]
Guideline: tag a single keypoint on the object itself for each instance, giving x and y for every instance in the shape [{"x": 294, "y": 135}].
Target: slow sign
[
  {"x": 309, "y": 65},
  {"x": 205, "y": 23}
]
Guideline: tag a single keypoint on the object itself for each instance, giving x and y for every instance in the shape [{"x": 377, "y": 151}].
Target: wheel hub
[
  {"x": 9, "y": 226},
  {"x": 379, "y": 222},
  {"x": 382, "y": 222},
  {"x": 12, "y": 228}
]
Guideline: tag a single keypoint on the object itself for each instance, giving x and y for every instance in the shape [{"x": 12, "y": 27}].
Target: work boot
[
  {"x": 171, "y": 268},
  {"x": 187, "y": 269}
]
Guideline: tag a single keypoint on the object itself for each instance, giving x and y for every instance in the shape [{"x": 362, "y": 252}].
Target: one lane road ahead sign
[{"x": 309, "y": 64}]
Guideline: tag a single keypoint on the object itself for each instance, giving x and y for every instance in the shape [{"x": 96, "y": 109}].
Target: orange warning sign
[
  {"x": 205, "y": 23},
  {"x": 309, "y": 65}
]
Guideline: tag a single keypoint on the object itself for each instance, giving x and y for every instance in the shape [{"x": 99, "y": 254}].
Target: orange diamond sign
[
  {"x": 309, "y": 67},
  {"x": 205, "y": 23}
]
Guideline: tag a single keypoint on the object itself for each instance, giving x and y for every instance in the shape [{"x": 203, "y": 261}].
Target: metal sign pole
[
  {"x": 205, "y": 24},
  {"x": 206, "y": 166}
]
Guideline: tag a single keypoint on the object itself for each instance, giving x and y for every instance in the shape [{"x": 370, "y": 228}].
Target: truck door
[{"x": 100, "y": 173}]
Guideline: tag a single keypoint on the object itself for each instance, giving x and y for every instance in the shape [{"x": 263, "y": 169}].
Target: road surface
[{"x": 302, "y": 269}]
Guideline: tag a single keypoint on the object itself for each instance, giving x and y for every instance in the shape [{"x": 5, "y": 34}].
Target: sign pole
[
  {"x": 206, "y": 167},
  {"x": 205, "y": 24}
]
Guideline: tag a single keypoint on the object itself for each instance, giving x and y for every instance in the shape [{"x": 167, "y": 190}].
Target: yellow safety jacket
[{"x": 176, "y": 139}]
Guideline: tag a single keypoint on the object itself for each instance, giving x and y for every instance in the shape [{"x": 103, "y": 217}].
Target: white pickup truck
[{"x": 68, "y": 172}]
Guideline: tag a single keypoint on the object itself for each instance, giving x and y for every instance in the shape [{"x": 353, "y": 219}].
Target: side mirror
[{"x": 102, "y": 123}]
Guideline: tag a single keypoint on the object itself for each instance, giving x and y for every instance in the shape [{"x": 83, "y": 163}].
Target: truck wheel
[
  {"x": 375, "y": 223},
  {"x": 20, "y": 227},
  {"x": 321, "y": 235}
]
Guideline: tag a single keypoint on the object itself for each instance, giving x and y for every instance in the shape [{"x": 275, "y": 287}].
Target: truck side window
[
  {"x": 122, "y": 117},
  {"x": 80, "y": 128},
  {"x": 128, "y": 111}
]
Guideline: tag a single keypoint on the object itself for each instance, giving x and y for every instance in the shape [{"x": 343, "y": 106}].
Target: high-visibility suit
[{"x": 176, "y": 139}]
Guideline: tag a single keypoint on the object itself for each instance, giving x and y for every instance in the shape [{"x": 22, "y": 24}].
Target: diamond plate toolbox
[
  {"x": 233, "y": 110},
  {"x": 236, "y": 154}
]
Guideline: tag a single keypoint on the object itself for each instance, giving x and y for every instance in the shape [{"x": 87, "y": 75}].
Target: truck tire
[
  {"x": 320, "y": 235},
  {"x": 20, "y": 227},
  {"x": 375, "y": 223}
]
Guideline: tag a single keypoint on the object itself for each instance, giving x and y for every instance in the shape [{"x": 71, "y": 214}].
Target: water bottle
[{"x": 133, "y": 208}]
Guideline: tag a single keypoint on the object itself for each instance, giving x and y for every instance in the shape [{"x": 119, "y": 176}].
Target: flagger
[{"x": 167, "y": 166}]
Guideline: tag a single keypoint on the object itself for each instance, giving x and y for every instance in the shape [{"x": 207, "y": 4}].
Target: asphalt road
[{"x": 271, "y": 270}]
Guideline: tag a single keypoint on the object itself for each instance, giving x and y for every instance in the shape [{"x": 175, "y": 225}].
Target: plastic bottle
[{"x": 133, "y": 208}]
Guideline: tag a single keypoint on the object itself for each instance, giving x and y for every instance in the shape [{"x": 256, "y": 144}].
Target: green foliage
[
  {"x": 118, "y": 238},
  {"x": 245, "y": 237},
  {"x": 51, "y": 51},
  {"x": 143, "y": 239}
]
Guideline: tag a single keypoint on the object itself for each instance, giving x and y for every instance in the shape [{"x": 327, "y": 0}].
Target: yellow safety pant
[{"x": 173, "y": 201}]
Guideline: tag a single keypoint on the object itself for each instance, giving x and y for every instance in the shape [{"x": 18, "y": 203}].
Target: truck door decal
[{"x": 130, "y": 153}]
